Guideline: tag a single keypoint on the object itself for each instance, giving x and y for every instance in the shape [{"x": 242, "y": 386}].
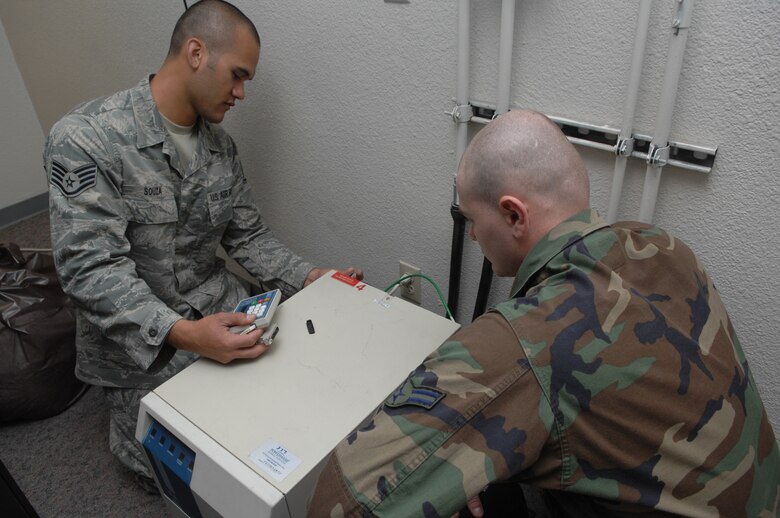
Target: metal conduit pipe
[
  {"x": 625, "y": 144},
  {"x": 462, "y": 86},
  {"x": 506, "y": 40},
  {"x": 461, "y": 115},
  {"x": 658, "y": 155}
]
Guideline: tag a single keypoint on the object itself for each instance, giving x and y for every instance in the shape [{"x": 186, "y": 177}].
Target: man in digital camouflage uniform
[
  {"x": 612, "y": 379},
  {"x": 144, "y": 188}
]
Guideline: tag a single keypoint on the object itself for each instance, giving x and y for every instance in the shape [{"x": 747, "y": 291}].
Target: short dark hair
[
  {"x": 212, "y": 21},
  {"x": 523, "y": 151}
]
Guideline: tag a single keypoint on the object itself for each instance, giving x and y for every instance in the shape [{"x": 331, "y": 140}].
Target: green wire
[{"x": 441, "y": 297}]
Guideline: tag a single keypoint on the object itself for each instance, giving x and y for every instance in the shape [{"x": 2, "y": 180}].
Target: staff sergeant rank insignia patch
[
  {"x": 416, "y": 395},
  {"x": 72, "y": 183}
]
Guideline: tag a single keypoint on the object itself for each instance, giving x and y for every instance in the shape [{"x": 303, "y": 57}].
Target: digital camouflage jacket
[
  {"x": 135, "y": 233},
  {"x": 612, "y": 379}
]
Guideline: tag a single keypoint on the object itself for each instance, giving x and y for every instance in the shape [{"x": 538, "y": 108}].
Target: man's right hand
[{"x": 211, "y": 337}]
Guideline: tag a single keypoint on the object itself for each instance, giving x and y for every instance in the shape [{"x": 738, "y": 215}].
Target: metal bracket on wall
[
  {"x": 461, "y": 113},
  {"x": 606, "y": 138},
  {"x": 683, "y": 18},
  {"x": 658, "y": 155},
  {"x": 624, "y": 146}
]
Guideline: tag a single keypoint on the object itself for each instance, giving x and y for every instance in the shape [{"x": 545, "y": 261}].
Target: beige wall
[
  {"x": 75, "y": 50},
  {"x": 21, "y": 137}
]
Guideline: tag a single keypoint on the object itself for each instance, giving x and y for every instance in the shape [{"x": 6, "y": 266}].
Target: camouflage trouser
[{"x": 123, "y": 406}]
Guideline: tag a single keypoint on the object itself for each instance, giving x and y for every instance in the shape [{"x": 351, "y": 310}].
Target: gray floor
[{"x": 62, "y": 463}]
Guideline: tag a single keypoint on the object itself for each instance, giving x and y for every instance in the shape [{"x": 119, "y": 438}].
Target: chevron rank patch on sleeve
[
  {"x": 415, "y": 395},
  {"x": 74, "y": 182}
]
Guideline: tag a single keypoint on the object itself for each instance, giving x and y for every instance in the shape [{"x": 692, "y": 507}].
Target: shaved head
[
  {"x": 525, "y": 154},
  {"x": 214, "y": 22}
]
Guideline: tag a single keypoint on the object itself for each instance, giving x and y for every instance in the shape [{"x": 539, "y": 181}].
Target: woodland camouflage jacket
[{"x": 612, "y": 379}]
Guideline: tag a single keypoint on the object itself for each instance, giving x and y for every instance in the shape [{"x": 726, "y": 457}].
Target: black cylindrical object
[
  {"x": 456, "y": 258},
  {"x": 485, "y": 279}
]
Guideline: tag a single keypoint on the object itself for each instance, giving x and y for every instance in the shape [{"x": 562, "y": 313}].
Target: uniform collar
[
  {"x": 150, "y": 129},
  {"x": 149, "y": 123},
  {"x": 553, "y": 243}
]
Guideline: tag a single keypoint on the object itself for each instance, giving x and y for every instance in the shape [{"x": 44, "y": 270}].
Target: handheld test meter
[{"x": 262, "y": 306}]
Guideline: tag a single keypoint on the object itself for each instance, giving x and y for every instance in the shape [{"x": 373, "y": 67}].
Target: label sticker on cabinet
[
  {"x": 275, "y": 459},
  {"x": 343, "y": 277}
]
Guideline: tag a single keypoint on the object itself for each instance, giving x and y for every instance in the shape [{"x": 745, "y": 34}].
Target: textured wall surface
[
  {"x": 21, "y": 137},
  {"x": 344, "y": 137}
]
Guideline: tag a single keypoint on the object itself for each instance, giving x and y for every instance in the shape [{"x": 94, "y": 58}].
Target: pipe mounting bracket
[
  {"x": 674, "y": 153},
  {"x": 658, "y": 155},
  {"x": 461, "y": 113},
  {"x": 624, "y": 146},
  {"x": 682, "y": 19}
]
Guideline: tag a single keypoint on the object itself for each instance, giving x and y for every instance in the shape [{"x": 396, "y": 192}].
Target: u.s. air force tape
[{"x": 75, "y": 181}]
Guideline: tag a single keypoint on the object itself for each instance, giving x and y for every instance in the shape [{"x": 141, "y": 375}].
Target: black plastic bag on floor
[{"x": 37, "y": 338}]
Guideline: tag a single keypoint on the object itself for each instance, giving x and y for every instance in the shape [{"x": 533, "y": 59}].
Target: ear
[
  {"x": 515, "y": 213},
  {"x": 196, "y": 52}
]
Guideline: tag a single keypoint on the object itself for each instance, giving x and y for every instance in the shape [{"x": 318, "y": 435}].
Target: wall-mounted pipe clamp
[
  {"x": 682, "y": 19},
  {"x": 607, "y": 138},
  {"x": 624, "y": 146},
  {"x": 658, "y": 155},
  {"x": 461, "y": 113}
]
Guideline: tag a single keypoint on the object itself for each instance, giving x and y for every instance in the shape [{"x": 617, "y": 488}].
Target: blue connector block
[{"x": 169, "y": 450}]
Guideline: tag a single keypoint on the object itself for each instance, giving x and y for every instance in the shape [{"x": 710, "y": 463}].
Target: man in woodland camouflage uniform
[
  {"x": 612, "y": 379},
  {"x": 144, "y": 188}
]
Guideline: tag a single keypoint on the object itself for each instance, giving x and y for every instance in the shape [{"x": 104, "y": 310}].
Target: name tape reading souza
[{"x": 275, "y": 459}]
